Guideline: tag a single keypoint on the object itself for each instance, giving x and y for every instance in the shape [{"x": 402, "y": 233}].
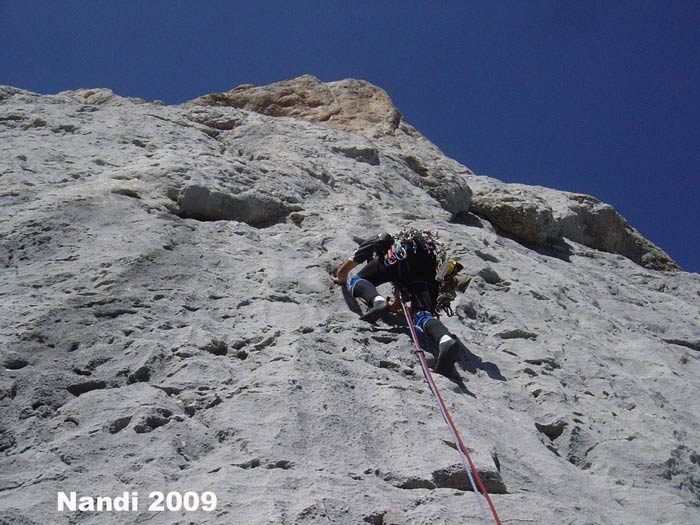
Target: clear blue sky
[{"x": 592, "y": 97}]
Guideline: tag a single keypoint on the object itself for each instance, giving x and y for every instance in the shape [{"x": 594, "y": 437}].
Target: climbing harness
[
  {"x": 397, "y": 248},
  {"x": 472, "y": 474}
]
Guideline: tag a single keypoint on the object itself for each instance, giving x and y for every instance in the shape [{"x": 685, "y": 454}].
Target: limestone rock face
[
  {"x": 535, "y": 215},
  {"x": 98, "y": 97},
  {"x": 362, "y": 109},
  {"x": 350, "y": 105},
  {"x": 517, "y": 211},
  {"x": 168, "y": 323}
]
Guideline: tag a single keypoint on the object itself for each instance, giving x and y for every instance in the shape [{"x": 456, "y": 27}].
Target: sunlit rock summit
[{"x": 168, "y": 323}]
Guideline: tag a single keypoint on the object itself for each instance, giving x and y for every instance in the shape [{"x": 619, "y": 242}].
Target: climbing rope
[{"x": 472, "y": 474}]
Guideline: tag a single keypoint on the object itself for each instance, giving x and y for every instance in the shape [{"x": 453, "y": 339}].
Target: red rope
[{"x": 443, "y": 408}]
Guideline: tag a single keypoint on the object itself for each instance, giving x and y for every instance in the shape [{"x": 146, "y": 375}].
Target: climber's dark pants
[
  {"x": 416, "y": 275},
  {"x": 417, "y": 279}
]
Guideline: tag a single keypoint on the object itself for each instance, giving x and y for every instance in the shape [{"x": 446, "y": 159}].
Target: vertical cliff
[{"x": 168, "y": 323}]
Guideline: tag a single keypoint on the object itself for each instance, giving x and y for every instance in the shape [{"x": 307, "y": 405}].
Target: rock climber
[{"x": 417, "y": 262}]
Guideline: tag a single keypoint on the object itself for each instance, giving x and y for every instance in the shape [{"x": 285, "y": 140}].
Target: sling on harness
[{"x": 472, "y": 474}]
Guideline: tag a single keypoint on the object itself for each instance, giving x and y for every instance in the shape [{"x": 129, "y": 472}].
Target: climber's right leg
[
  {"x": 364, "y": 286},
  {"x": 448, "y": 345}
]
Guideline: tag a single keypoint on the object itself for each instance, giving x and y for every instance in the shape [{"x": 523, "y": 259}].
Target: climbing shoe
[
  {"x": 447, "y": 355},
  {"x": 378, "y": 309}
]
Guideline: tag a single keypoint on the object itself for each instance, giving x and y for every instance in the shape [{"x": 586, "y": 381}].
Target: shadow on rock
[
  {"x": 471, "y": 363},
  {"x": 468, "y": 219},
  {"x": 556, "y": 248}
]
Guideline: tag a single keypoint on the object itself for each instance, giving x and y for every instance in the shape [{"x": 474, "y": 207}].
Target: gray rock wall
[
  {"x": 536, "y": 215},
  {"x": 168, "y": 323}
]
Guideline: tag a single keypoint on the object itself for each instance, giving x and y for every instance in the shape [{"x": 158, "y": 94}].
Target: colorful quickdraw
[{"x": 414, "y": 240}]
